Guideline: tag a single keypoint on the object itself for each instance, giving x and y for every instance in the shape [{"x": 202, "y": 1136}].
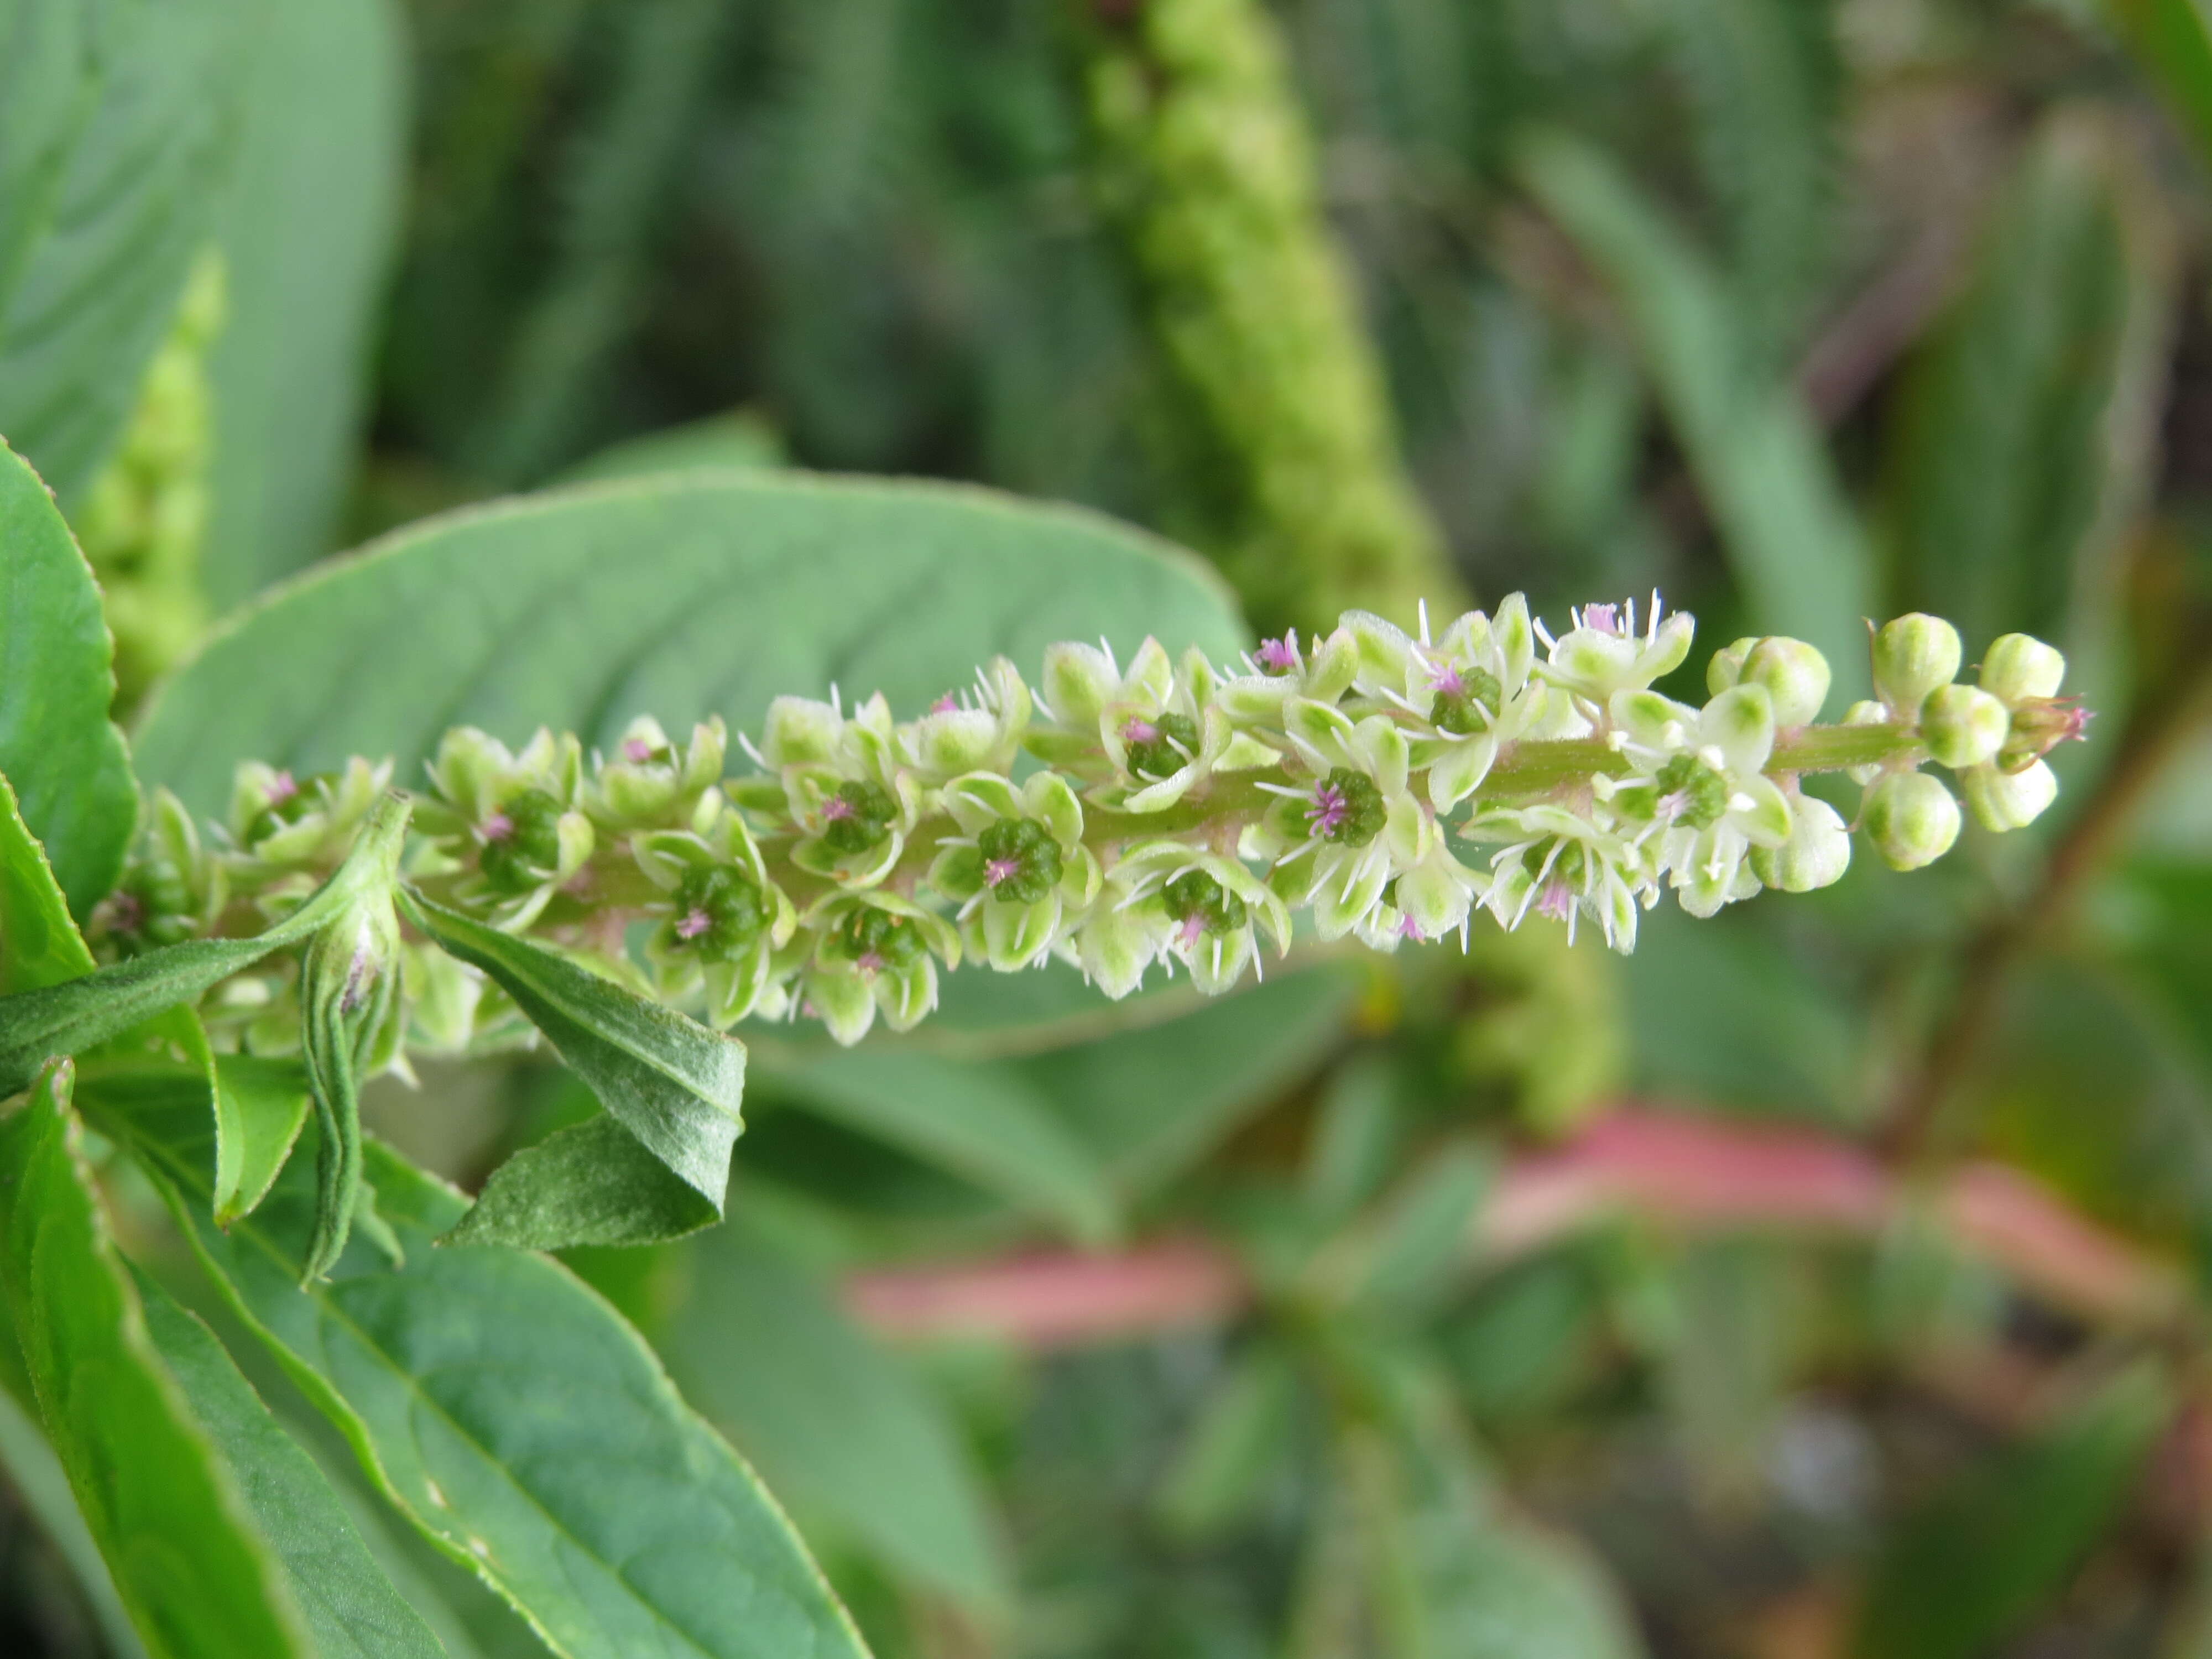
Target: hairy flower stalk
[{"x": 1125, "y": 817}]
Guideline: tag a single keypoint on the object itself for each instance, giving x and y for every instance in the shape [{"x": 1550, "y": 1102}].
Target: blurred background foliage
[{"x": 1823, "y": 1280}]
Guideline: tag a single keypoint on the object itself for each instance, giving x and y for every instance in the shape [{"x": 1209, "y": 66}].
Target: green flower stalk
[{"x": 1171, "y": 815}]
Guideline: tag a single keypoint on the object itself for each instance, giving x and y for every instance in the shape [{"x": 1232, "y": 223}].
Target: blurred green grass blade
[
  {"x": 1978, "y": 1561},
  {"x": 41, "y": 1485},
  {"x": 839, "y": 1426},
  {"x": 2172, "y": 41},
  {"x": 352, "y": 1609},
  {"x": 1760, "y": 463},
  {"x": 2002, "y": 457},
  {"x": 306, "y": 228},
  {"x": 984, "y": 1122},
  {"x": 117, "y": 119},
  {"x": 1243, "y": 1433},
  {"x": 66, "y": 762},
  {"x": 179, "y": 1539},
  {"x": 510, "y": 1415}
]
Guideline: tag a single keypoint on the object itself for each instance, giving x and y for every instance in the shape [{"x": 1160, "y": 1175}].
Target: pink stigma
[
  {"x": 1557, "y": 901},
  {"x": 1408, "y": 929},
  {"x": 636, "y": 749},
  {"x": 1328, "y": 811},
  {"x": 1140, "y": 731},
  {"x": 869, "y": 963},
  {"x": 692, "y": 923},
  {"x": 1447, "y": 679},
  {"x": 1672, "y": 806},
  {"x": 997, "y": 870},
  {"x": 947, "y": 704},
  {"x": 1602, "y": 618},
  {"x": 497, "y": 827},
  {"x": 281, "y": 787},
  {"x": 837, "y": 807},
  {"x": 1191, "y": 930},
  {"x": 1278, "y": 656}
]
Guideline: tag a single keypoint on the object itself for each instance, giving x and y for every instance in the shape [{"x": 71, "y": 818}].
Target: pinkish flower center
[
  {"x": 1140, "y": 731},
  {"x": 282, "y": 789},
  {"x": 637, "y": 750},
  {"x": 997, "y": 870},
  {"x": 1447, "y": 679},
  {"x": 1329, "y": 810},
  {"x": 497, "y": 827},
  {"x": 1278, "y": 656},
  {"x": 1557, "y": 901},
  {"x": 1408, "y": 929},
  {"x": 869, "y": 961},
  {"x": 837, "y": 807},
  {"x": 692, "y": 923},
  {"x": 1601, "y": 618},
  {"x": 947, "y": 704}
]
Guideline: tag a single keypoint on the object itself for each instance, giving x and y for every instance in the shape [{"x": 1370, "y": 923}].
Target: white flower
[
  {"x": 1018, "y": 868},
  {"x": 1564, "y": 865},
  {"x": 1600, "y": 655},
  {"x": 1326, "y": 837},
  {"x": 1700, "y": 787},
  {"x": 1168, "y": 899}
]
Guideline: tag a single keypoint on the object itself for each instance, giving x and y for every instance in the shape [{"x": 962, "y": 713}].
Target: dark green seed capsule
[
  {"x": 1692, "y": 792},
  {"x": 1348, "y": 808},
  {"x": 1196, "y": 896},
  {"x": 521, "y": 842},
  {"x": 1021, "y": 860},
  {"x": 1158, "y": 755},
  {"x": 1460, "y": 710},
  {"x": 859, "y": 816},
  {"x": 720, "y": 914},
  {"x": 877, "y": 939}
]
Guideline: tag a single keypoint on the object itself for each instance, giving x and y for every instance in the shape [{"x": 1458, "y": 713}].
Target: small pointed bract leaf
[
  {"x": 509, "y": 1414},
  {"x": 592, "y": 1183},
  {"x": 351, "y": 1607},
  {"x": 66, "y": 759},
  {"x": 260, "y": 1104},
  {"x": 75, "y": 1014},
  {"x": 674, "y": 1085},
  {"x": 187, "y": 1561}
]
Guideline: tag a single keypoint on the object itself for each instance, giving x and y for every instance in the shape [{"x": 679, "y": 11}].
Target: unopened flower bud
[
  {"x": 1816, "y": 855},
  {"x": 1795, "y": 674},
  {"x": 2009, "y": 800},
  {"x": 1726, "y": 668},
  {"x": 2018, "y": 665},
  {"x": 1912, "y": 819},
  {"x": 1963, "y": 725},
  {"x": 1912, "y": 656}
]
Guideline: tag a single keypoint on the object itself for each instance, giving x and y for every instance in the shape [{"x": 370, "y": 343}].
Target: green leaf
[
  {"x": 115, "y": 122},
  {"x": 260, "y": 1104},
  {"x": 1788, "y": 532},
  {"x": 305, "y": 229},
  {"x": 1152, "y": 1103},
  {"x": 675, "y": 596},
  {"x": 75, "y": 1014},
  {"x": 66, "y": 761},
  {"x": 1975, "y": 1563},
  {"x": 351, "y": 1607},
  {"x": 41, "y": 1485},
  {"x": 835, "y": 1423},
  {"x": 2174, "y": 42},
  {"x": 1997, "y": 464},
  {"x": 676, "y": 1086},
  {"x": 984, "y": 1122},
  {"x": 512, "y": 1416},
  {"x": 742, "y": 441},
  {"x": 175, "y": 1533},
  {"x": 1244, "y": 1433},
  {"x": 40, "y": 946},
  {"x": 591, "y": 1183},
  {"x": 1405, "y": 1263}
]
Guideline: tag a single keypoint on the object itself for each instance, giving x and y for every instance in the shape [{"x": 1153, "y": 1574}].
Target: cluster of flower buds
[{"x": 1121, "y": 817}]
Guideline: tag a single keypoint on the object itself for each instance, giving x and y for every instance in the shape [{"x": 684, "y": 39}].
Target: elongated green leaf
[
  {"x": 674, "y": 597},
  {"x": 351, "y": 1607},
  {"x": 40, "y": 946},
  {"x": 676, "y": 1086},
  {"x": 1997, "y": 469},
  {"x": 2172, "y": 39},
  {"x": 74, "y": 1014},
  {"x": 1787, "y": 531},
  {"x": 306, "y": 228},
  {"x": 260, "y": 1104},
  {"x": 1981, "y": 1557},
  {"x": 1244, "y": 1433},
  {"x": 591, "y": 1183},
  {"x": 175, "y": 1533},
  {"x": 66, "y": 761},
  {"x": 41, "y": 1485},
  {"x": 983, "y": 1122},
  {"x": 837, "y": 1424},
  {"x": 512, "y": 1416},
  {"x": 1151, "y": 1103},
  {"x": 119, "y": 115}
]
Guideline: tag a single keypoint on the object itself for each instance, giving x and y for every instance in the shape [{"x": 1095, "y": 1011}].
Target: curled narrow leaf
[{"x": 593, "y": 1183}]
